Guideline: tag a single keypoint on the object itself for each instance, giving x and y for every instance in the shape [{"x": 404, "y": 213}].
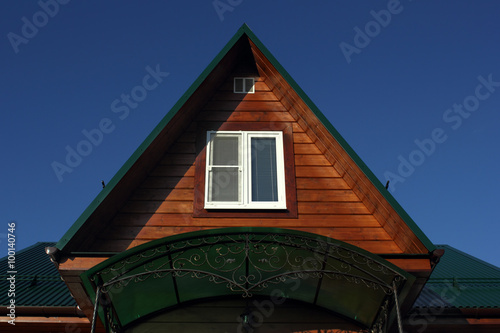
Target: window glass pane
[
  {"x": 238, "y": 85},
  {"x": 224, "y": 150},
  {"x": 264, "y": 170},
  {"x": 248, "y": 85},
  {"x": 224, "y": 184}
]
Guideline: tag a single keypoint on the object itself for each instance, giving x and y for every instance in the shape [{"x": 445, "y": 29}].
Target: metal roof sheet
[
  {"x": 37, "y": 281},
  {"x": 461, "y": 281}
]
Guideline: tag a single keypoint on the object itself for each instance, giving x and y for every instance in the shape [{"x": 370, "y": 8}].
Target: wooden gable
[
  {"x": 165, "y": 203},
  {"x": 157, "y": 193}
]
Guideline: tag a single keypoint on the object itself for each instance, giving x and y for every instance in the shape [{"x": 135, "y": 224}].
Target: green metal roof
[
  {"x": 461, "y": 281},
  {"x": 38, "y": 282},
  {"x": 244, "y": 30}
]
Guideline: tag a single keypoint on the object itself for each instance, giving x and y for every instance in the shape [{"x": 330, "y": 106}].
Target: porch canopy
[{"x": 246, "y": 262}]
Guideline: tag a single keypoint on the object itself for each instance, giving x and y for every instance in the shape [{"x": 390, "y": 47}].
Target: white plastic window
[
  {"x": 244, "y": 85},
  {"x": 245, "y": 170}
]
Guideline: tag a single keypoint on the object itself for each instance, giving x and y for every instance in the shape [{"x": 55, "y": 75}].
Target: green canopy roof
[{"x": 246, "y": 262}]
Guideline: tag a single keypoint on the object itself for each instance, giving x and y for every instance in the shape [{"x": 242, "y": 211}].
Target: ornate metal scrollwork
[{"x": 249, "y": 262}]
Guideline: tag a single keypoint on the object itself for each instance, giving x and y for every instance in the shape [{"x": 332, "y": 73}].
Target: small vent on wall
[{"x": 244, "y": 85}]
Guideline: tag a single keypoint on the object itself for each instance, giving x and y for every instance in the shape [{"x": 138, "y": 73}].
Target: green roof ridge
[{"x": 244, "y": 29}]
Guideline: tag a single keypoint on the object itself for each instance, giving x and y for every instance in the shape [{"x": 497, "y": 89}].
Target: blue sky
[{"x": 413, "y": 86}]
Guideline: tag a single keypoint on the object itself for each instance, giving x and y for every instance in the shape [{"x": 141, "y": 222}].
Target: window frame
[
  {"x": 244, "y": 165},
  {"x": 244, "y": 85},
  {"x": 199, "y": 210}
]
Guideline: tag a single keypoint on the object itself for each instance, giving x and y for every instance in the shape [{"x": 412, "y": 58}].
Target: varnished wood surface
[{"x": 326, "y": 204}]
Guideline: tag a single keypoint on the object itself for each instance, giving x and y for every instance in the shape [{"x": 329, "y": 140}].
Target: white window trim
[
  {"x": 246, "y": 173},
  {"x": 252, "y": 91}
]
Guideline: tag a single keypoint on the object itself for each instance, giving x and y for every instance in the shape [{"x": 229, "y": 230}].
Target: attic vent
[{"x": 244, "y": 85}]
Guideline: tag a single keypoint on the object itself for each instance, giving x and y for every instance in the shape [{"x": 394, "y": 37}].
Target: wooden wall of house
[{"x": 163, "y": 205}]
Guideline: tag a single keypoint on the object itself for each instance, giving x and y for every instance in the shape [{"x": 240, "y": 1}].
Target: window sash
[
  {"x": 224, "y": 168},
  {"x": 260, "y": 164}
]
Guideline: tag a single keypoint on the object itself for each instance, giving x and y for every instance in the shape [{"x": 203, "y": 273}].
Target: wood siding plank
[
  {"x": 326, "y": 195},
  {"x": 178, "y": 159},
  {"x": 168, "y": 182},
  {"x": 346, "y": 234},
  {"x": 238, "y": 116},
  {"x": 332, "y": 208},
  {"x": 319, "y": 221},
  {"x": 244, "y": 106},
  {"x": 163, "y": 194},
  {"x": 303, "y": 149},
  {"x": 258, "y": 96},
  {"x": 321, "y": 183},
  {"x": 151, "y": 207},
  {"x": 311, "y": 160},
  {"x": 173, "y": 171},
  {"x": 316, "y": 171},
  {"x": 301, "y": 138}
]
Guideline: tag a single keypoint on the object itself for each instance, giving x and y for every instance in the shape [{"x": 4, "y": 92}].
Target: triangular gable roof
[{"x": 144, "y": 159}]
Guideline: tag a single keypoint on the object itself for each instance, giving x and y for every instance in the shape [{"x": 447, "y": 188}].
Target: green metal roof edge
[
  {"x": 449, "y": 248},
  {"x": 149, "y": 139},
  {"x": 355, "y": 157},
  {"x": 244, "y": 29}
]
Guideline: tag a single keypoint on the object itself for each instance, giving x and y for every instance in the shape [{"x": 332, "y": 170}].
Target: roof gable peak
[{"x": 244, "y": 43}]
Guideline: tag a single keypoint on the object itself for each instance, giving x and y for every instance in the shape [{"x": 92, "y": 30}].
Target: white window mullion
[{"x": 246, "y": 159}]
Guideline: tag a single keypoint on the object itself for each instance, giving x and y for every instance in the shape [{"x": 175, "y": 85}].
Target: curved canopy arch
[{"x": 290, "y": 264}]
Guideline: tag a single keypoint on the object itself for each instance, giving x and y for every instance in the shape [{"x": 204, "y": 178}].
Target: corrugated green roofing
[
  {"x": 462, "y": 281},
  {"x": 244, "y": 30},
  {"x": 37, "y": 281}
]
